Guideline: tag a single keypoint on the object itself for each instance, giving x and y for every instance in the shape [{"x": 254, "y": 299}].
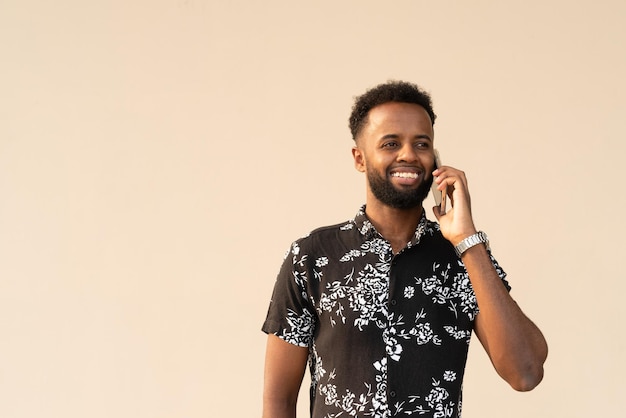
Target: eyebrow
[{"x": 396, "y": 136}]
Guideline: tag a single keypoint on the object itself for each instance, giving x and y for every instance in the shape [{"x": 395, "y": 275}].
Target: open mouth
[{"x": 405, "y": 175}]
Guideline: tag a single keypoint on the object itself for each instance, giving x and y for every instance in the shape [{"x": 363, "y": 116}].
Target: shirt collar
[{"x": 367, "y": 229}]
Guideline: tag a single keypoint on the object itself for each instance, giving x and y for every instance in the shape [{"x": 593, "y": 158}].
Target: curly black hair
[{"x": 392, "y": 91}]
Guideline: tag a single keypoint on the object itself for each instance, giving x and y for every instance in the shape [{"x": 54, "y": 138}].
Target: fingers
[
  {"x": 437, "y": 212},
  {"x": 449, "y": 176},
  {"x": 457, "y": 220},
  {"x": 454, "y": 181}
]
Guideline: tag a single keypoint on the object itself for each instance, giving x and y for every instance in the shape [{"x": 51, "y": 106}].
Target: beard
[{"x": 384, "y": 191}]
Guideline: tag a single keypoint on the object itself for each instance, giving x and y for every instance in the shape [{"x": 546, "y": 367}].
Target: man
[{"x": 383, "y": 306}]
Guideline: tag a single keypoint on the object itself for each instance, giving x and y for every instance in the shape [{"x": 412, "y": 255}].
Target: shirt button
[
  {"x": 393, "y": 302},
  {"x": 392, "y": 393}
]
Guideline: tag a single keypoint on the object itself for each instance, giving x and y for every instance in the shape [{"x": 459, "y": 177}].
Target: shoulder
[
  {"x": 329, "y": 239},
  {"x": 342, "y": 229},
  {"x": 430, "y": 241}
]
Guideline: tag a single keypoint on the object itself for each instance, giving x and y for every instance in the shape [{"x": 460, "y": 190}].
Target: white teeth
[{"x": 405, "y": 175}]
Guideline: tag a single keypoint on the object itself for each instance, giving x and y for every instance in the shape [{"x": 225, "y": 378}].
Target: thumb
[{"x": 437, "y": 211}]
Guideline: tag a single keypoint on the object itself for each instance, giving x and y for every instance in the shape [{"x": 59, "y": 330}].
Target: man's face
[{"x": 395, "y": 150}]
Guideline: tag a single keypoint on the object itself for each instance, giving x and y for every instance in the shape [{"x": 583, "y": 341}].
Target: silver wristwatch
[{"x": 469, "y": 242}]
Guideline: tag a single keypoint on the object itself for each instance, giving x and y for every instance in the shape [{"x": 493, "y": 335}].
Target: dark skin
[{"x": 397, "y": 143}]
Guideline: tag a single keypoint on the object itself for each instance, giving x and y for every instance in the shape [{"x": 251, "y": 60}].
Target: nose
[{"x": 407, "y": 153}]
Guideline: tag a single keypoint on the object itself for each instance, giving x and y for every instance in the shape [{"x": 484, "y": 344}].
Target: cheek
[{"x": 428, "y": 162}]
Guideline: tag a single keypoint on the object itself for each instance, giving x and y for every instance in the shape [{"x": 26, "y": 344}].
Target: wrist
[
  {"x": 462, "y": 236},
  {"x": 470, "y": 241}
]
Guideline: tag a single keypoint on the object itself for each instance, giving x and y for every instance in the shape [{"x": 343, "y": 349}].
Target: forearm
[
  {"x": 273, "y": 408},
  {"x": 284, "y": 368},
  {"x": 515, "y": 345}
]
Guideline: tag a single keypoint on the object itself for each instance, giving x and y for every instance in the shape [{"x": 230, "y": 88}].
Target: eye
[
  {"x": 389, "y": 144},
  {"x": 422, "y": 145}
]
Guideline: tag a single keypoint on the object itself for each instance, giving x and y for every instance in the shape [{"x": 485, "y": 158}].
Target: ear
[{"x": 359, "y": 159}]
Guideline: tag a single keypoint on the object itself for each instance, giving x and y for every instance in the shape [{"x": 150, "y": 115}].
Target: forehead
[{"x": 400, "y": 116}]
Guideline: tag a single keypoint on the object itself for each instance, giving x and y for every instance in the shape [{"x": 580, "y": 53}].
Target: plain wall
[{"x": 157, "y": 158}]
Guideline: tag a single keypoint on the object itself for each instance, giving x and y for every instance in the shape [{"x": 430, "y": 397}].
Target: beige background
[{"x": 158, "y": 157}]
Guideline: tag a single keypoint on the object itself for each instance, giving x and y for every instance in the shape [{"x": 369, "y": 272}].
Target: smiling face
[{"x": 395, "y": 150}]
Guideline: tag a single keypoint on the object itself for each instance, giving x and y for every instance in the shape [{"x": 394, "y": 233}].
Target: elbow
[
  {"x": 526, "y": 374},
  {"x": 528, "y": 379}
]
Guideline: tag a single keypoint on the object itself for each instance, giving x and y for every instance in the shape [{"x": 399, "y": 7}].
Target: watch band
[{"x": 469, "y": 242}]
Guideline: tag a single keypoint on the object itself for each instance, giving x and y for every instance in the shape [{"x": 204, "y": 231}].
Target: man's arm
[
  {"x": 284, "y": 369},
  {"x": 515, "y": 346}
]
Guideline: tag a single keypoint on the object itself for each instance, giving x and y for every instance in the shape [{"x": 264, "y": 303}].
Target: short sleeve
[
  {"x": 500, "y": 272},
  {"x": 291, "y": 316}
]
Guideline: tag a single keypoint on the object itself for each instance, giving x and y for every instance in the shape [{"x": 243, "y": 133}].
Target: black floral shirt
[{"x": 388, "y": 335}]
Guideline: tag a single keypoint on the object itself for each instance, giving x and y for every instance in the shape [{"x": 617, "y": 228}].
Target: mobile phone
[{"x": 439, "y": 196}]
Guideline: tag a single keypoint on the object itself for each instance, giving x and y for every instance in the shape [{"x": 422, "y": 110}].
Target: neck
[{"x": 395, "y": 225}]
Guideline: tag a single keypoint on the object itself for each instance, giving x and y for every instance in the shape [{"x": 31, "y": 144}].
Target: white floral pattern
[{"x": 387, "y": 334}]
